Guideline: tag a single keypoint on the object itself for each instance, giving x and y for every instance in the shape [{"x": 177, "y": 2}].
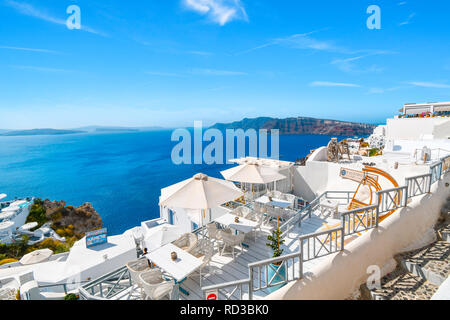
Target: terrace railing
[
  {"x": 240, "y": 289},
  {"x": 436, "y": 172},
  {"x": 320, "y": 244},
  {"x": 107, "y": 286},
  {"x": 418, "y": 185},
  {"x": 392, "y": 199},
  {"x": 274, "y": 272},
  {"x": 300, "y": 215},
  {"x": 359, "y": 220}
]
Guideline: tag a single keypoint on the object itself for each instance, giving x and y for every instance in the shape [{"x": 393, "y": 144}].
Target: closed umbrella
[{"x": 36, "y": 256}]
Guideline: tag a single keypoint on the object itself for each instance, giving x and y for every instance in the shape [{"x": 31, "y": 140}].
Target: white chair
[
  {"x": 231, "y": 240},
  {"x": 187, "y": 241},
  {"x": 291, "y": 198},
  {"x": 135, "y": 268},
  {"x": 242, "y": 211},
  {"x": 205, "y": 251},
  {"x": 154, "y": 285},
  {"x": 214, "y": 234}
]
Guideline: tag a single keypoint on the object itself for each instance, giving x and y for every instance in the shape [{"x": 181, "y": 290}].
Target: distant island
[
  {"x": 301, "y": 125},
  {"x": 90, "y": 129},
  {"x": 38, "y": 132}
]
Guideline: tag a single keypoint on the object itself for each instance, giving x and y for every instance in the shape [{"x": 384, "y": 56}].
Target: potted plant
[{"x": 275, "y": 241}]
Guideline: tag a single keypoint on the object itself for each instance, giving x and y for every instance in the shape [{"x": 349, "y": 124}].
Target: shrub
[
  {"x": 71, "y": 296},
  {"x": 37, "y": 213}
]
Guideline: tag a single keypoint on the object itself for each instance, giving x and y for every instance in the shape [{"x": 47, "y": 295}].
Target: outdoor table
[
  {"x": 329, "y": 207},
  {"x": 244, "y": 225},
  {"x": 180, "y": 269},
  {"x": 274, "y": 202}
]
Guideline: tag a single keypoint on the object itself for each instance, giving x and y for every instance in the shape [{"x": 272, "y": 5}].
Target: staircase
[{"x": 419, "y": 273}]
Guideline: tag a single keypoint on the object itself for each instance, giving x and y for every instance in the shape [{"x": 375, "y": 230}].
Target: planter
[{"x": 271, "y": 273}]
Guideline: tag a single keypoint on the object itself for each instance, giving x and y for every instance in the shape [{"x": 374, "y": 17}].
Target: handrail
[
  {"x": 391, "y": 199},
  {"x": 418, "y": 185},
  {"x": 235, "y": 286},
  {"x": 359, "y": 220}
]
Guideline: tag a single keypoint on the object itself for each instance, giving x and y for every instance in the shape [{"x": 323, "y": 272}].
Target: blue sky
[{"x": 168, "y": 63}]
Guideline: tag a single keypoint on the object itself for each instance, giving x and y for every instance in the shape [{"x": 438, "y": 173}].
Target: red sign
[{"x": 211, "y": 296}]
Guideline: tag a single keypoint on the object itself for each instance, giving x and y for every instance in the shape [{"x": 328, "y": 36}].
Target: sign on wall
[
  {"x": 96, "y": 237},
  {"x": 355, "y": 175},
  {"x": 212, "y": 294}
]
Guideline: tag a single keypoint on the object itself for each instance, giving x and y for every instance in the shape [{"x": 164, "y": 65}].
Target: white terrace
[{"x": 226, "y": 269}]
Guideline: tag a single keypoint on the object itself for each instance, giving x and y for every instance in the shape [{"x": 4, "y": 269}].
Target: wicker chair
[
  {"x": 242, "y": 211},
  {"x": 136, "y": 267},
  {"x": 205, "y": 251},
  {"x": 187, "y": 242},
  {"x": 154, "y": 285},
  {"x": 231, "y": 240}
]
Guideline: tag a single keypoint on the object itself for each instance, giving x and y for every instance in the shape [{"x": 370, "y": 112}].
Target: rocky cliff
[
  {"x": 83, "y": 218},
  {"x": 302, "y": 125}
]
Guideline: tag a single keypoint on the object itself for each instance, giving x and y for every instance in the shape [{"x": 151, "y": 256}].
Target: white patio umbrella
[
  {"x": 199, "y": 193},
  {"x": 36, "y": 256},
  {"x": 161, "y": 235},
  {"x": 3, "y": 196},
  {"x": 252, "y": 173}
]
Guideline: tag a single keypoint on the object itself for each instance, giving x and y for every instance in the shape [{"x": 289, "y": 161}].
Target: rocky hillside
[
  {"x": 83, "y": 218},
  {"x": 302, "y": 125}
]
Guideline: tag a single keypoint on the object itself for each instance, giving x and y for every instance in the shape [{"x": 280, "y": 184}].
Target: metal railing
[
  {"x": 328, "y": 242},
  {"x": 436, "y": 172},
  {"x": 418, "y": 185},
  {"x": 234, "y": 289},
  {"x": 359, "y": 220},
  {"x": 343, "y": 197},
  {"x": 275, "y": 272},
  {"x": 392, "y": 199},
  {"x": 107, "y": 286}
]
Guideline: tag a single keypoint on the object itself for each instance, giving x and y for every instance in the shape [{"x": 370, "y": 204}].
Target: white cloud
[
  {"x": 29, "y": 10},
  {"x": 408, "y": 20},
  {"x": 28, "y": 49},
  {"x": 218, "y": 11},
  {"x": 333, "y": 84},
  {"x": 424, "y": 84},
  {"x": 301, "y": 41},
  {"x": 350, "y": 65}
]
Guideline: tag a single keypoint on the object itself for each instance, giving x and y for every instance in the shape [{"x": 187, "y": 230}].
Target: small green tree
[{"x": 275, "y": 242}]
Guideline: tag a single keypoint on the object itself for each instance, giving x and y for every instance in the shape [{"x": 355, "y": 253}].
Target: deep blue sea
[{"x": 121, "y": 174}]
